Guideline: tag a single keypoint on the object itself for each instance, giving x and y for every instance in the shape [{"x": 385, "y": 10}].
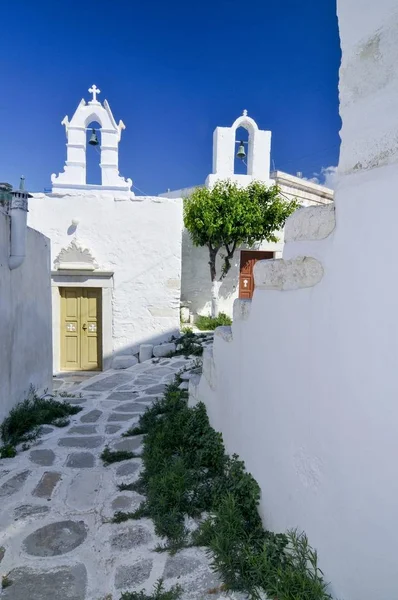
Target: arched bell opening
[
  {"x": 241, "y": 151},
  {"x": 93, "y": 154}
]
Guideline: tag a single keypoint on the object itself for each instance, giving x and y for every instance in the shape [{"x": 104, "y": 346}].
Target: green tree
[{"x": 228, "y": 216}]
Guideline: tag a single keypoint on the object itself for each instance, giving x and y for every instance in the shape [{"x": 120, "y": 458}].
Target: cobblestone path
[{"x": 57, "y": 500}]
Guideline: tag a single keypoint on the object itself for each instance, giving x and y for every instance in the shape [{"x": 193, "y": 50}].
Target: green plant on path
[
  {"x": 112, "y": 456},
  {"x": 159, "y": 593},
  {"x": 205, "y": 323},
  {"x": 188, "y": 474},
  {"x": 25, "y": 419},
  {"x": 7, "y": 451}
]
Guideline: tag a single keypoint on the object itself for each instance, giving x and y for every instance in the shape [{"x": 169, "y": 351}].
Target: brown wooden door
[{"x": 248, "y": 259}]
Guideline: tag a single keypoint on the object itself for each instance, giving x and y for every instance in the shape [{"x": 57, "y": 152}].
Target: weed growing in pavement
[
  {"x": 7, "y": 451},
  {"x": 159, "y": 593},
  {"x": 68, "y": 395},
  {"x": 25, "y": 419},
  {"x": 187, "y": 474},
  {"x": 112, "y": 456}
]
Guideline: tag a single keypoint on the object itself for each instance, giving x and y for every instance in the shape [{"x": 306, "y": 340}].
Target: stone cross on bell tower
[
  {"x": 74, "y": 175},
  {"x": 94, "y": 91}
]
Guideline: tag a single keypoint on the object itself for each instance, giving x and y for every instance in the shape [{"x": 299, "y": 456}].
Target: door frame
[
  {"x": 82, "y": 316},
  {"x": 252, "y": 251},
  {"x": 81, "y": 279}
]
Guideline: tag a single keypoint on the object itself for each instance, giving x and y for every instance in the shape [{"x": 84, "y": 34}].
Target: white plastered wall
[
  {"x": 306, "y": 389},
  {"x": 136, "y": 249},
  {"x": 25, "y": 321}
]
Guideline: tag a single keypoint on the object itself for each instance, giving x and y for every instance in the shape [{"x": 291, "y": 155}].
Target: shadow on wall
[
  {"x": 128, "y": 356},
  {"x": 196, "y": 283}
]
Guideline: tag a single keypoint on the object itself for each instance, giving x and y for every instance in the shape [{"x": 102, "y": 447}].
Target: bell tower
[
  {"x": 73, "y": 177},
  {"x": 257, "y": 153}
]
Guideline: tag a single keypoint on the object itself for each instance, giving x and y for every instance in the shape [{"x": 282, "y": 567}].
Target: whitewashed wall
[
  {"x": 139, "y": 240},
  {"x": 25, "y": 319},
  {"x": 195, "y": 278},
  {"x": 305, "y": 389}
]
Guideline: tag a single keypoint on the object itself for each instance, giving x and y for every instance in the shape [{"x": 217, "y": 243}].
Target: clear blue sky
[{"x": 173, "y": 71}]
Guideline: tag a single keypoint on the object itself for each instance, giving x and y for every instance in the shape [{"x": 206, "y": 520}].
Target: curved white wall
[{"x": 306, "y": 391}]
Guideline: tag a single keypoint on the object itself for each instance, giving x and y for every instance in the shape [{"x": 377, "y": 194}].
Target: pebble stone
[
  {"x": 130, "y": 537},
  {"x": 61, "y": 583},
  {"x": 91, "y": 417},
  {"x": 13, "y": 485},
  {"x": 80, "y": 460},
  {"x": 56, "y": 538},
  {"x": 112, "y": 429},
  {"x": 117, "y": 417},
  {"x": 122, "y": 503},
  {"x": 108, "y": 383},
  {"x": 129, "y": 444},
  {"x": 123, "y": 396},
  {"x": 128, "y": 468},
  {"x": 30, "y": 510},
  {"x": 81, "y": 442},
  {"x": 132, "y": 575},
  {"x": 46, "y": 485},
  {"x": 180, "y": 565},
  {"x": 132, "y": 407},
  {"x": 83, "y": 429},
  {"x": 45, "y": 458}
]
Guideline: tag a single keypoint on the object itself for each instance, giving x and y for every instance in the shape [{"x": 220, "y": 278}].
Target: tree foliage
[{"x": 228, "y": 216}]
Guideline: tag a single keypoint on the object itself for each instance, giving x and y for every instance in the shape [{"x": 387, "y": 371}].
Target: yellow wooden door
[{"x": 81, "y": 329}]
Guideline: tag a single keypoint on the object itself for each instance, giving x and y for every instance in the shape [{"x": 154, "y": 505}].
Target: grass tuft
[
  {"x": 7, "y": 451},
  {"x": 133, "y": 431},
  {"x": 205, "y": 323},
  {"x": 6, "y": 582},
  {"x": 159, "y": 593},
  {"x": 113, "y": 456},
  {"x": 24, "y": 421}
]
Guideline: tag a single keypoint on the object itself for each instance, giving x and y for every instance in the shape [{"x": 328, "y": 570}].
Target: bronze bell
[
  {"x": 93, "y": 141},
  {"x": 241, "y": 151}
]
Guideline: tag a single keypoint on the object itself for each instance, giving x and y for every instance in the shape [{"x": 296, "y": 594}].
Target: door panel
[
  {"x": 81, "y": 329},
  {"x": 248, "y": 259}
]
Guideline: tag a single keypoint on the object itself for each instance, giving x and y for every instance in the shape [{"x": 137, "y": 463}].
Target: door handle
[{"x": 84, "y": 326}]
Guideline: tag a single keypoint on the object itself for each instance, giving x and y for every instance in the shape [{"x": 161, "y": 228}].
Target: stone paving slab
[
  {"x": 58, "y": 500},
  {"x": 44, "y": 458},
  {"x": 81, "y": 442},
  {"x": 60, "y": 583},
  {"x": 47, "y": 484}
]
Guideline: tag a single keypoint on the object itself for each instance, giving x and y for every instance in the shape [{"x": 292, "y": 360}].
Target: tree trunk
[
  {"x": 215, "y": 290},
  {"x": 215, "y": 285}
]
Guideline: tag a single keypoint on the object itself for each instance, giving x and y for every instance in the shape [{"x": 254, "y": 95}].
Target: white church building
[
  {"x": 256, "y": 144},
  {"x": 115, "y": 257},
  {"x": 121, "y": 264}
]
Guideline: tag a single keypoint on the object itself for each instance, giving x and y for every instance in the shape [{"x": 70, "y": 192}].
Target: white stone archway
[{"x": 258, "y": 155}]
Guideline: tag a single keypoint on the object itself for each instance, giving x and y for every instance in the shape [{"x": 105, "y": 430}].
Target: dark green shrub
[{"x": 205, "y": 323}]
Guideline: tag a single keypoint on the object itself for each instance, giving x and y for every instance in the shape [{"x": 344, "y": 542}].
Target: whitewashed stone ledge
[
  {"x": 241, "y": 309},
  {"x": 124, "y": 362},
  {"x": 293, "y": 274},
  {"x": 193, "y": 390},
  {"x": 209, "y": 368},
  {"x": 312, "y": 223},
  {"x": 164, "y": 349},
  {"x": 224, "y": 332}
]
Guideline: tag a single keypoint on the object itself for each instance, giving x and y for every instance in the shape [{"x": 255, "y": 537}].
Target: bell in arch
[
  {"x": 93, "y": 141},
  {"x": 241, "y": 151}
]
